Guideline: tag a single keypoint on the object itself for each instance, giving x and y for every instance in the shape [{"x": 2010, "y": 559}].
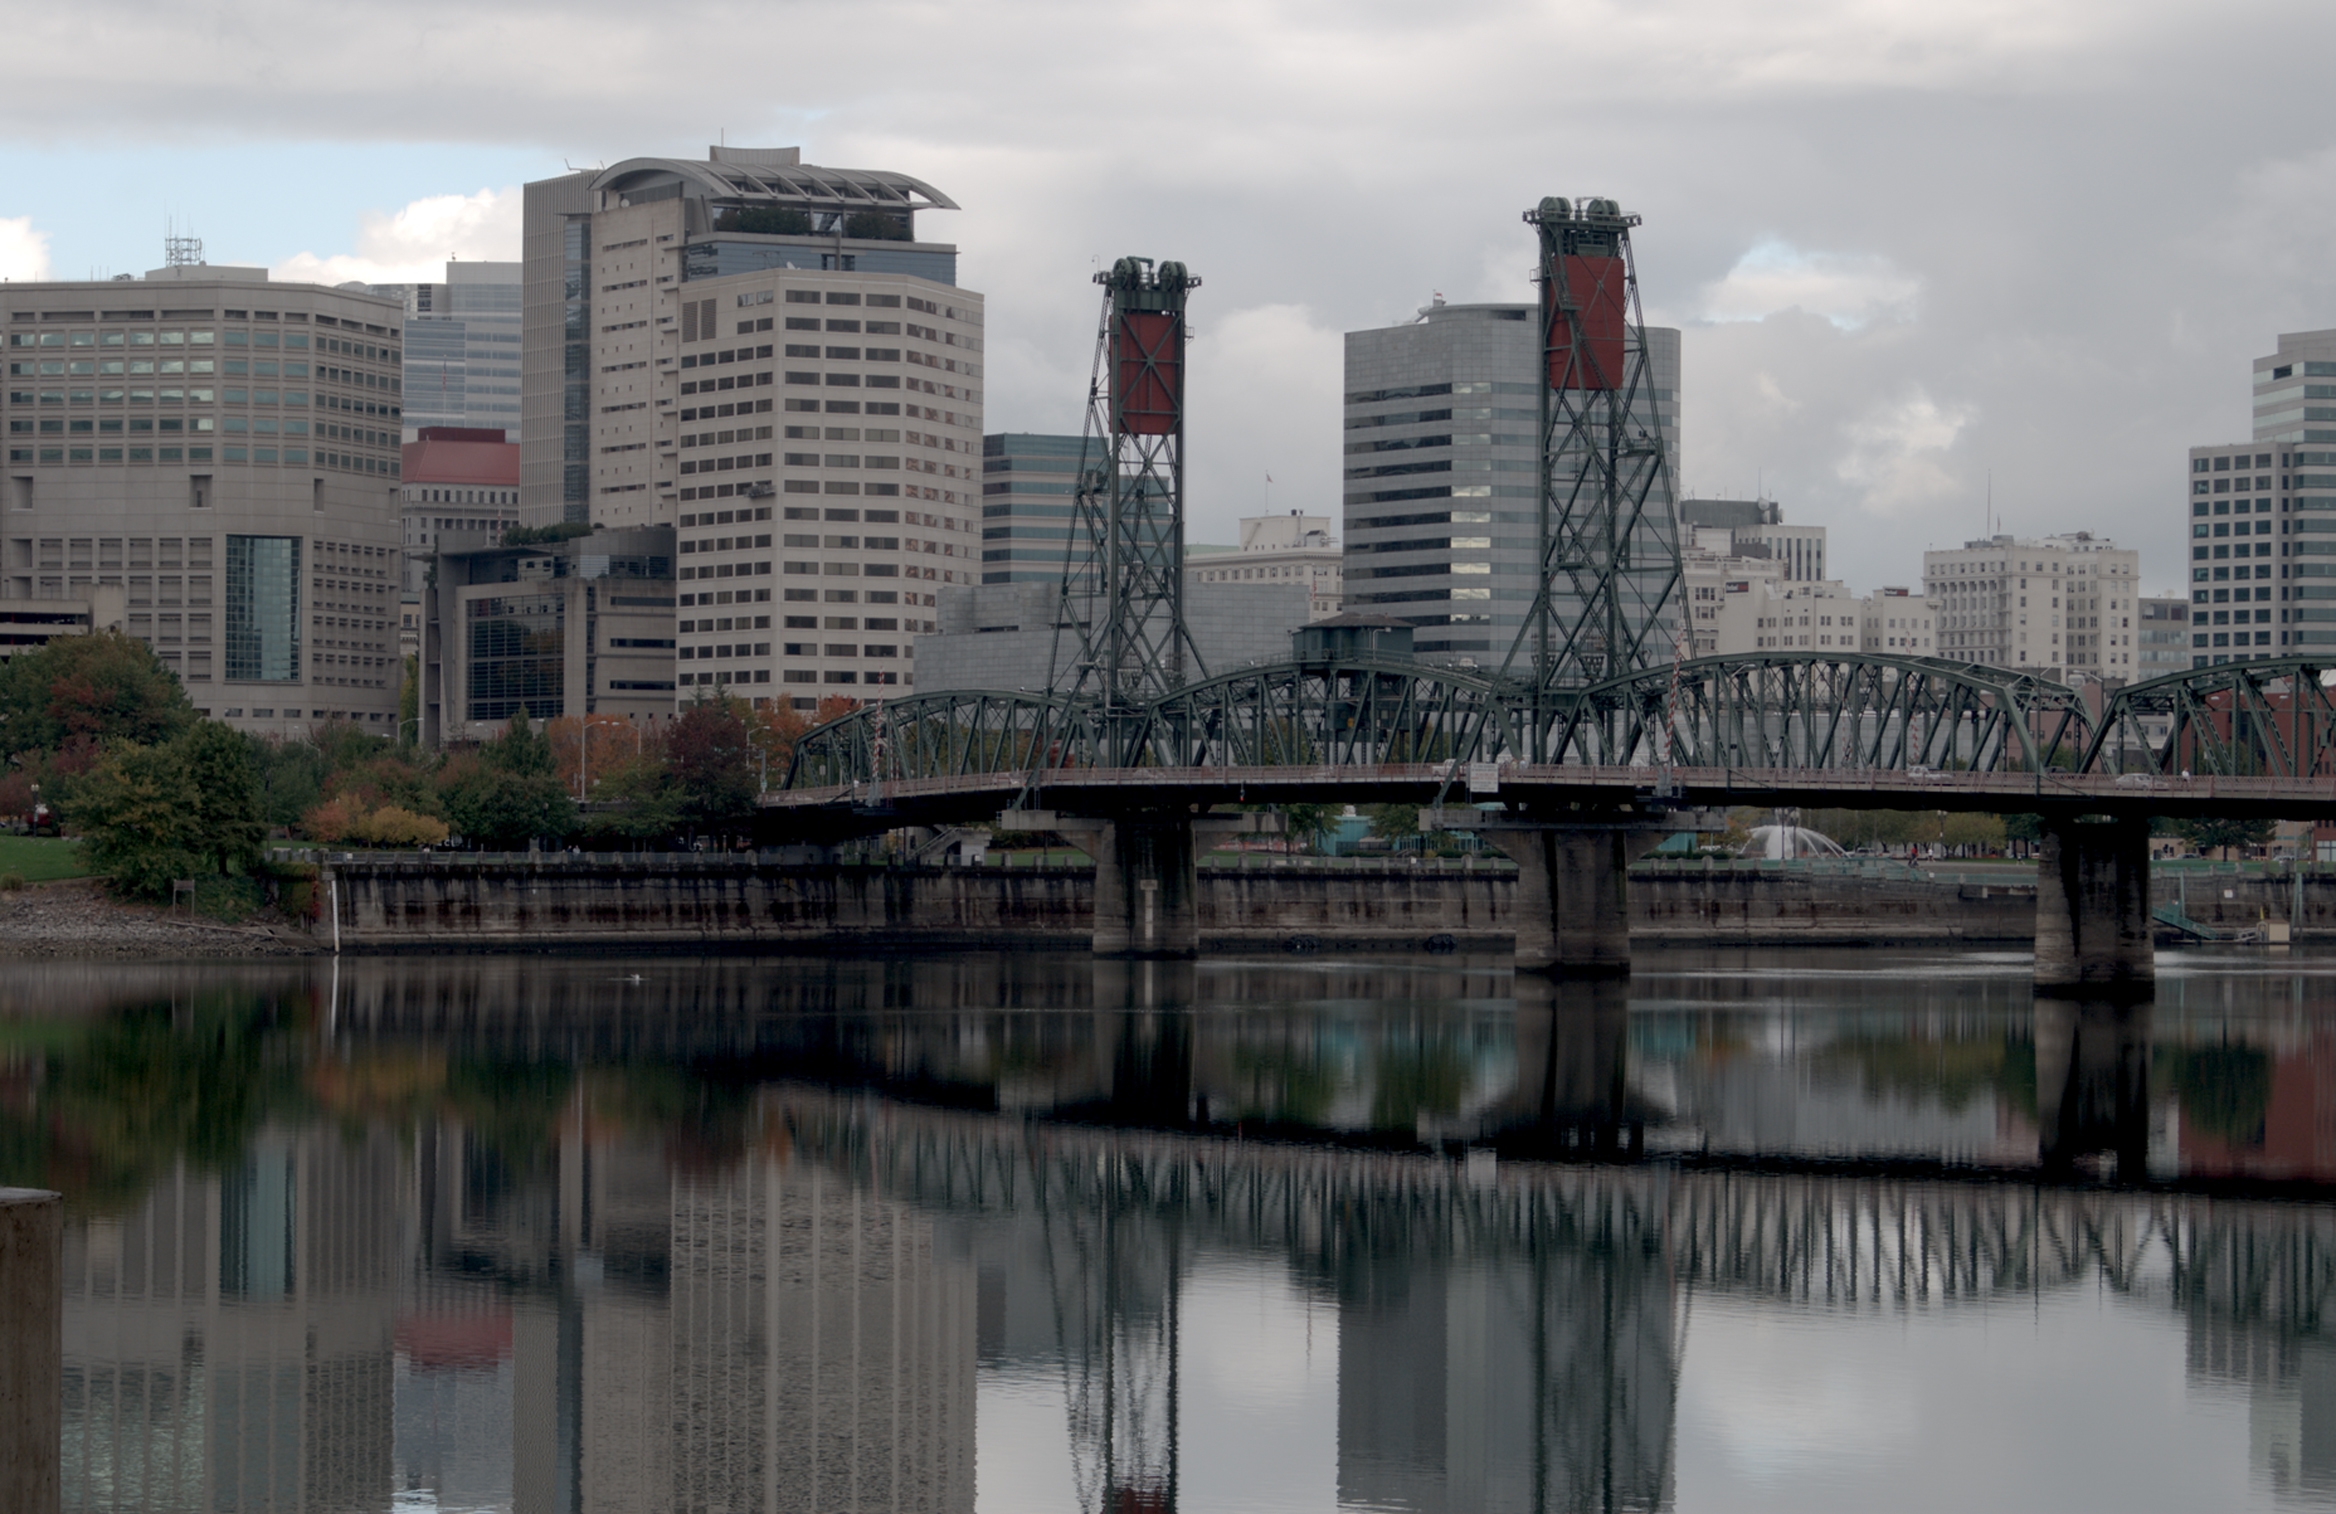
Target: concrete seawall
[{"x": 687, "y": 902}]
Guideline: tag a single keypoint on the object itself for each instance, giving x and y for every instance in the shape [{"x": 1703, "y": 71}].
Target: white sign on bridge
[{"x": 1484, "y": 778}]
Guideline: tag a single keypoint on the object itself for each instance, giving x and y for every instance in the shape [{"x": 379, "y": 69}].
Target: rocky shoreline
[{"x": 77, "y": 919}]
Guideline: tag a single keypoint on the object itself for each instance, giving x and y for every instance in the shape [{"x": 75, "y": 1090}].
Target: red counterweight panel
[
  {"x": 1149, "y": 372},
  {"x": 1594, "y": 286}
]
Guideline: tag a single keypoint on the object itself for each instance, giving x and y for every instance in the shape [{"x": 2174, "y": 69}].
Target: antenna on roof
[{"x": 180, "y": 251}]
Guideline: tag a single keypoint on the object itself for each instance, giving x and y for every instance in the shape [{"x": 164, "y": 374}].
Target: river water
[{"x": 1031, "y": 1232}]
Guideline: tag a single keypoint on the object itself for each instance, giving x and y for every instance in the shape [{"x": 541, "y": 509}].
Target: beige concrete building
[
  {"x": 759, "y": 353},
  {"x": 1292, "y": 548},
  {"x": 1714, "y": 573},
  {"x": 1785, "y": 615},
  {"x": 1896, "y": 622},
  {"x": 222, "y": 451},
  {"x": 2058, "y": 606}
]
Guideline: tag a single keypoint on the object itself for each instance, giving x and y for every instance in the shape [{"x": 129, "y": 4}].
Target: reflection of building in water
[
  {"x": 232, "y": 1334},
  {"x": 2289, "y": 1381},
  {"x": 1508, "y": 1381},
  {"x": 334, "y": 1322},
  {"x": 2258, "y": 1111},
  {"x": 822, "y": 1353}
]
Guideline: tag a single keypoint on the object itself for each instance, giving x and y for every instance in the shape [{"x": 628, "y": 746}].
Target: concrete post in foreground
[
  {"x": 32, "y": 1349},
  {"x": 2092, "y": 907}
]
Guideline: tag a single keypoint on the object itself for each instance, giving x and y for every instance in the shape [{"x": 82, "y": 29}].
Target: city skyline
[{"x": 2061, "y": 347}]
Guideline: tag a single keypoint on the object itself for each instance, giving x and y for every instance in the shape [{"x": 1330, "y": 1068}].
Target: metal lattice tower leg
[
  {"x": 1127, "y": 595},
  {"x": 1607, "y": 597}
]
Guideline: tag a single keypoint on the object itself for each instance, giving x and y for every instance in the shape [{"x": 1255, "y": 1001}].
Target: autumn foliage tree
[
  {"x": 710, "y": 753},
  {"x": 96, "y": 688}
]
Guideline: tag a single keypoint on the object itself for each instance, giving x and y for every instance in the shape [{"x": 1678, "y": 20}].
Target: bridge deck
[{"x": 978, "y": 795}]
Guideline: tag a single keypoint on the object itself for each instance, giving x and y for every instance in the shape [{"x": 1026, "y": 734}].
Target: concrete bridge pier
[
  {"x": 2092, "y": 907},
  {"x": 1146, "y": 888},
  {"x": 1572, "y": 904}
]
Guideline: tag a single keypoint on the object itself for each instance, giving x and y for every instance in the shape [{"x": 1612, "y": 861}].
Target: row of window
[
  {"x": 796, "y": 675},
  {"x": 162, "y": 367},
  {"x": 46, "y": 397}
]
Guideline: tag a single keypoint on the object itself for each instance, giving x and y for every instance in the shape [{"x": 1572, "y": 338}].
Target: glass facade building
[
  {"x": 263, "y": 609},
  {"x": 1028, "y": 486},
  {"x": 518, "y": 645},
  {"x": 462, "y": 349}
]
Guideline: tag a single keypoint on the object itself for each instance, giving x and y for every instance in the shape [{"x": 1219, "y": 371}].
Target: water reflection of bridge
[{"x": 764, "y": 1258}]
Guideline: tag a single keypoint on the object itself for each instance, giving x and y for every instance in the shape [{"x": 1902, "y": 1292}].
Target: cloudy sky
[{"x": 1920, "y": 249}]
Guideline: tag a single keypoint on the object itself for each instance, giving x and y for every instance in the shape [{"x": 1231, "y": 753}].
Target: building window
[
  {"x": 263, "y": 609},
  {"x": 517, "y": 656}
]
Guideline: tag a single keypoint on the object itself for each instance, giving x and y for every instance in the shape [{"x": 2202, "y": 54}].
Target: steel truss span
[
  {"x": 1778, "y": 711},
  {"x": 1891, "y": 721}
]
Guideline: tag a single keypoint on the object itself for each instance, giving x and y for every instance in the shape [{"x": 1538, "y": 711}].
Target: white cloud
[
  {"x": 1263, "y": 398},
  {"x": 1847, "y": 289},
  {"x": 1897, "y": 458},
  {"x": 24, "y": 252},
  {"x": 414, "y": 244}
]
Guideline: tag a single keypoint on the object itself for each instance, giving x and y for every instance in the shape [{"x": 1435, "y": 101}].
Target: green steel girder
[
  {"x": 2242, "y": 719},
  {"x": 1819, "y": 710},
  {"x": 1779, "y": 710}
]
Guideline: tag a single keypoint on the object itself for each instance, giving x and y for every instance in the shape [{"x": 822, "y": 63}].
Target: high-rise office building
[
  {"x": 1028, "y": 486},
  {"x": 462, "y": 348},
  {"x": 1758, "y": 524},
  {"x": 221, "y": 451},
  {"x": 762, "y": 354},
  {"x": 2237, "y": 491},
  {"x": 2056, "y": 606},
  {"x": 1442, "y": 459}
]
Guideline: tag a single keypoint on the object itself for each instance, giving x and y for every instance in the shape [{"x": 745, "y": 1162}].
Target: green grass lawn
[{"x": 40, "y": 859}]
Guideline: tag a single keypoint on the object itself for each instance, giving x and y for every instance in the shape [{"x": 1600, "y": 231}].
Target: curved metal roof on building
[{"x": 799, "y": 184}]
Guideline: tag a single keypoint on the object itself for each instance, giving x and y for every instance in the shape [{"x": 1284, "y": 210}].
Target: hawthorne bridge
[{"x": 1590, "y": 740}]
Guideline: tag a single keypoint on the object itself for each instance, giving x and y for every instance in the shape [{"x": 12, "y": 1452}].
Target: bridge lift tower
[
  {"x": 1123, "y": 592},
  {"x": 1127, "y": 596},
  {"x": 1606, "y": 598},
  {"x": 1607, "y": 594}
]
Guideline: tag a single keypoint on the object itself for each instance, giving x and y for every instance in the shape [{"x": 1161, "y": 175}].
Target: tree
[
  {"x": 1307, "y": 824},
  {"x": 101, "y": 687},
  {"x": 508, "y": 793},
  {"x": 765, "y": 220},
  {"x": 137, "y": 812},
  {"x": 2209, "y": 833},
  {"x": 217, "y": 759},
  {"x": 409, "y": 702},
  {"x": 1396, "y": 824},
  {"x": 642, "y": 801},
  {"x": 711, "y": 757}
]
